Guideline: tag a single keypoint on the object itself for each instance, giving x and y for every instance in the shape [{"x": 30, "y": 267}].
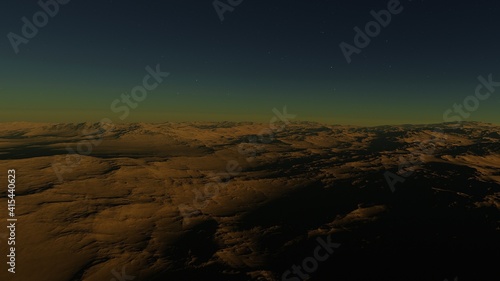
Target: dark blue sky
[{"x": 264, "y": 54}]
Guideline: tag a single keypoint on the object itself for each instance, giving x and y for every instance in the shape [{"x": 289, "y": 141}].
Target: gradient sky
[{"x": 265, "y": 54}]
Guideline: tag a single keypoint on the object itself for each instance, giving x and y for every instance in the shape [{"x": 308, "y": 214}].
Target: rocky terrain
[{"x": 225, "y": 201}]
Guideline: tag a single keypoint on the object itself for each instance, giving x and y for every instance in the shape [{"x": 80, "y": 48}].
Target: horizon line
[{"x": 255, "y": 122}]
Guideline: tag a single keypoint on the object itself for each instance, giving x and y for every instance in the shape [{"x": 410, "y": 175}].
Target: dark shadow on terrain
[
  {"x": 26, "y": 152},
  {"x": 425, "y": 234}
]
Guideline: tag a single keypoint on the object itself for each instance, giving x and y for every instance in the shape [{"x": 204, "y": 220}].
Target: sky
[{"x": 262, "y": 55}]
